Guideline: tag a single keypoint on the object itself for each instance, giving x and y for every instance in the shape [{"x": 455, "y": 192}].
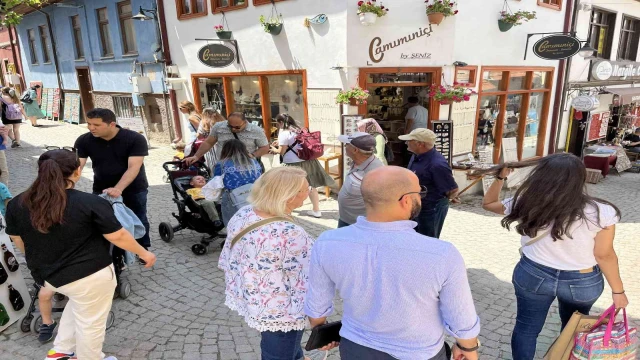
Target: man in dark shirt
[
  {"x": 634, "y": 141},
  {"x": 117, "y": 156},
  {"x": 434, "y": 173}
]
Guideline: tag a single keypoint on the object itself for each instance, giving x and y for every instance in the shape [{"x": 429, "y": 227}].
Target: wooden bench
[{"x": 337, "y": 176}]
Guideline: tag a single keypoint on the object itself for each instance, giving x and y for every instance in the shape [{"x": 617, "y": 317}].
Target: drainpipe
[
  {"x": 55, "y": 52},
  {"x": 562, "y": 82},
  {"x": 15, "y": 49},
  {"x": 167, "y": 57}
]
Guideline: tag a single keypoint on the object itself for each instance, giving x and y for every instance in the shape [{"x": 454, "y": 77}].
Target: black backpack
[{"x": 26, "y": 97}]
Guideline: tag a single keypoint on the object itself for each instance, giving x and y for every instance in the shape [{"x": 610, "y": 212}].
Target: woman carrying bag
[
  {"x": 567, "y": 244},
  {"x": 371, "y": 127}
]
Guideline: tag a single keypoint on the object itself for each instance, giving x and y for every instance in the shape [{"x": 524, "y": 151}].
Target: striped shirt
[{"x": 401, "y": 290}]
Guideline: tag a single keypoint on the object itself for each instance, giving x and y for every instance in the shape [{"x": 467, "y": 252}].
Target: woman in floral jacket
[{"x": 266, "y": 267}]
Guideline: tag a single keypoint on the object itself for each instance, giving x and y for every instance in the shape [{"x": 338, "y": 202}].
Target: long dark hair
[
  {"x": 236, "y": 151},
  {"x": 554, "y": 192},
  {"x": 288, "y": 121},
  {"x": 46, "y": 198}
]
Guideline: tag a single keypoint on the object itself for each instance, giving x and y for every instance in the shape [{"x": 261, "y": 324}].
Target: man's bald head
[{"x": 386, "y": 184}]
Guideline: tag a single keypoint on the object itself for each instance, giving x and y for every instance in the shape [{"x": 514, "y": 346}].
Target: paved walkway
[{"x": 176, "y": 310}]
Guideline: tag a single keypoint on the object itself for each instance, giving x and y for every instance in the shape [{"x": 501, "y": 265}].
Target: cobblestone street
[{"x": 176, "y": 310}]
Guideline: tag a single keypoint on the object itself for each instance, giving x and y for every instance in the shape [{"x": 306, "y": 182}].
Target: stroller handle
[{"x": 199, "y": 164}]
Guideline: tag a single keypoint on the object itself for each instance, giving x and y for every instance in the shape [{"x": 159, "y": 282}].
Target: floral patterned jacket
[{"x": 266, "y": 272}]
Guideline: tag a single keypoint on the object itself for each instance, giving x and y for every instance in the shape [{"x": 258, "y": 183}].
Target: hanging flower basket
[
  {"x": 435, "y": 18},
  {"x": 369, "y": 11},
  {"x": 354, "y": 96},
  {"x": 274, "y": 29},
  {"x": 504, "y": 26},
  {"x": 509, "y": 19},
  {"x": 220, "y": 29},
  {"x": 446, "y": 95},
  {"x": 367, "y": 19},
  {"x": 273, "y": 25},
  {"x": 437, "y": 10}
]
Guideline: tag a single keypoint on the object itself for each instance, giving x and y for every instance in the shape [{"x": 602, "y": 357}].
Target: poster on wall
[
  {"x": 598, "y": 125},
  {"x": 14, "y": 295},
  {"x": 134, "y": 124},
  {"x": 324, "y": 116},
  {"x": 72, "y": 108},
  {"x": 56, "y": 102},
  {"x": 444, "y": 137},
  {"x": 463, "y": 116},
  {"x": 43, "y": 104},
  {"x": 349, "y": 127},
  {"x": 49, "y": 110}
]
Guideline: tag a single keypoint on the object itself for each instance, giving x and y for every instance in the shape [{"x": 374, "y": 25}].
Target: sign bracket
[
  {"x": 234, "y": 42},
  {"x": 526, "y": 47}
]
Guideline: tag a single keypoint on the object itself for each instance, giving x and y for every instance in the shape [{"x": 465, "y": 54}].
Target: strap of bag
[
  {"x": 537, "y": 238},
  {"x": 235, "y": 135},
  {"x": 255, "y": 226}
]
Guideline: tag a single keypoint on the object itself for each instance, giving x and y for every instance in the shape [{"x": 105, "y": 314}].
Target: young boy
[{"x": 196, "y": 194}]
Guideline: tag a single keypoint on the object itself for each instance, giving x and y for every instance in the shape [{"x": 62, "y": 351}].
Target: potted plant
[
  {"x": 354, "y": 96},
  {"x": 273, "y": 25},
  {"x": 508, "y": 20},
  {"x": 437, "y": 10},
  {"x": 222, "y": 33},
  {"x": 370, "y": 11},
  {"x": 448, "y": 94}
]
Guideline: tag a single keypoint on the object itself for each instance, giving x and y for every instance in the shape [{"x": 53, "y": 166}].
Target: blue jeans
[
  {"x": 228, "y": 209},
  {"x": 138, "y": 204},
  {"x": 352, "y": 351},
  {"x": 431, "y": 218},
  {"x": 342, "y": 224},
  {"x": 280, "y": 345},
  {"x": 536, "y": 287}
]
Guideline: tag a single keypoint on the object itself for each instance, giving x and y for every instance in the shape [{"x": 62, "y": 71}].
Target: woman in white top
[
  {"x": 288, "y": 147},
  {"x": 567, "y": 239}
]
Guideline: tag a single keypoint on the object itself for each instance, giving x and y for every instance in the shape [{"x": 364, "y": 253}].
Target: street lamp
[
  {"x": 587, "y": 50},
  {"x": 142, "y": 16}
]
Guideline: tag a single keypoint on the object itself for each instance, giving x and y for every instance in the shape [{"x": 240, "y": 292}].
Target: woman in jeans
[
  {"x": 65, "y": 235},
  {"x": 567, "y": 239},
  {"x": 266, "y": 269},
  {"x": 237, "y": 168}
]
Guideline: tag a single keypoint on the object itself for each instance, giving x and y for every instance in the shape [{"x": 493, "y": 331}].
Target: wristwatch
[{"x": 468, "y": 349}]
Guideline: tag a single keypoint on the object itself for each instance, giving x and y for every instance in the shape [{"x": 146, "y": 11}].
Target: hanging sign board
[
  {"x": 556, "y": 47},
  {"x": 615, "y": 70},
  {"x": 585, "y": 103},
  {"x": 598, "y": 126},
  {"x": 217, "y": 55}
]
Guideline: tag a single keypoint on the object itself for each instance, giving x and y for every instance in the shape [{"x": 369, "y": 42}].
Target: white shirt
[
  {"x": 569, "y": 253},
  {"x": 419, "y": 115},
  {"x": 287, "y": 137}
]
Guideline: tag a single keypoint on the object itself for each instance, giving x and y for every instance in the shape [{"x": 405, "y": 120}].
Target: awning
[{"x": 627, "y": 95}]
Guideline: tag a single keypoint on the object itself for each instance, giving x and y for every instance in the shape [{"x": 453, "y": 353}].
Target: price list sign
[{"x": 444, "y": 137}]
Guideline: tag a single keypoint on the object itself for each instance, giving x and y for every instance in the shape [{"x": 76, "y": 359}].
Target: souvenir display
[
  {"x": 444, "y": 137},
  {"x": 13, "y": 289},
  {"x": 10, "y": 259}
]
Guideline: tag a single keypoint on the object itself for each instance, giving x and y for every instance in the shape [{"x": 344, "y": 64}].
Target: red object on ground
[{"x": 601, "y": 163}]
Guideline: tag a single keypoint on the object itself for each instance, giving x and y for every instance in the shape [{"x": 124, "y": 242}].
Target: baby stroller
[{"x": 190, "y": 214}]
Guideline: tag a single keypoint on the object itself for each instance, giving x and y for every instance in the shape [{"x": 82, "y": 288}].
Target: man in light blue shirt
[
  {"x": 401, "y": 290},
  {"x": 416, "y": 117}
]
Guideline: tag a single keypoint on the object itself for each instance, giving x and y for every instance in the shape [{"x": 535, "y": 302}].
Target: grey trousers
[{"x": 352, "y": 351}]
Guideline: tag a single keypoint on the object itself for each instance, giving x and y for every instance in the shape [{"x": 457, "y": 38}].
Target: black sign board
[
  {"x": 444, "y": 137},
  {"x": 216, "y": 55},
  {"x": 557, "y": 47}
]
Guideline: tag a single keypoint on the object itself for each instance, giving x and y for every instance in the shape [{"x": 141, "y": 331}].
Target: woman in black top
[{"x": 62, "y": 233}]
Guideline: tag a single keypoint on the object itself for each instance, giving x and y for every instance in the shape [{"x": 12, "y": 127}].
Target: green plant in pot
[
  {"x": 369, "y": 11},
  {"x": 222, "y": 33},
  {"x": 273, "y": 25},
  {"x": 508, "y": 20},
  {"x": 437, "y": 10},
  {"x": 354, "y": 96}
]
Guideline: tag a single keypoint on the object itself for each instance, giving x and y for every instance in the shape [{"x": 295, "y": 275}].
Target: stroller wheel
[
  {"x": 166, "y": 232},
  {"x": 110, "y": 319},
  {"x": 199, "y": 249},
  {"x": 124, "y": 290},
  {"x": 25, "y": 323},
  {"x": 35, "y": 324}
]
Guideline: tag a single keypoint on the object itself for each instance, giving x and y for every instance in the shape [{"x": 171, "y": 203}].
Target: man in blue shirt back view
[{"x": 401, "y": 290}]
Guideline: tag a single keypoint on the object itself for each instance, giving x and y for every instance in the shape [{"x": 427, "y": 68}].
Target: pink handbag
[{"x": 607, "y": 341}]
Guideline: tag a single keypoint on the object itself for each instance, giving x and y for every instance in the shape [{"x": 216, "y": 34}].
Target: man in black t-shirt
[
  {"x": 117, "y": 155},
  {"x": 634, "y": 145}
]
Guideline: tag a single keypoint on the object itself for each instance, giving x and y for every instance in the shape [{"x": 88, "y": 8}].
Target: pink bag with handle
[{"x": 607, "y": 341}]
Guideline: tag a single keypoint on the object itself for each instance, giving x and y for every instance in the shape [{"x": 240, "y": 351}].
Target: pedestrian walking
[
  {"x": 567, "y": 244},
  {"x": 288, "y": 149},
  {"x": 194, "y": 117},
  {"x": 4, "y": 167},
  {"x": 359, "y": 147},
  {"x": 12, "y": 113},
  {"x": 375, "y": 263},
  {"x": 236, "y": 127},
  {"x": 117, "y": 157},
  {"x": 266, "y": 259},
  {"x": 65, "y": 235},
  {"x": 32, "y": 109},
  {"x": 436, "y": 176},
  {"x": 416, "y": 117},
  {"x": 210, "y": 117}
]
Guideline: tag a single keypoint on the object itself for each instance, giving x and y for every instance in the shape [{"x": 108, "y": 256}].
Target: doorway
[{"x": 86, "y": 89}]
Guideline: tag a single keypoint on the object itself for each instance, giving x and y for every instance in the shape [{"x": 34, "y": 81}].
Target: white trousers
[{"x": 84, "y": 320}]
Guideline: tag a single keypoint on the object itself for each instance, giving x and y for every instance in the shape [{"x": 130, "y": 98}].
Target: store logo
[
  {"x": 556, "y": 47},
  {"x": 216, "y": 55},
  {"x": 377, "y": 50},
  {"x": 602, "y": 70},
  {"x": 585, "y": 103}
]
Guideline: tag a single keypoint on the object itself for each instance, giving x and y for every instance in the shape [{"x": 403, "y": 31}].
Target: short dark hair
[
  {"x": 238, "y": 114},
  {"x": 413, "y": 100},
  {"x": 105, "y": 115}
]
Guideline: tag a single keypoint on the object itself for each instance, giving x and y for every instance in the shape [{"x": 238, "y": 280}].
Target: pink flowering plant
[
  {"x": 459, "y": 92},
  {"x": 218, "y": 28},
  {"x": 355, "y": 93},
  {"x": 372, "y": 7},
  {"x": 517, "y": 17},
  {"x": 439, "y": 6}
]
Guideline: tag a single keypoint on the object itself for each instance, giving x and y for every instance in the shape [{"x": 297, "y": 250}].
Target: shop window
[
  {"x": 488, "y": 114},
  {"x": 601, "y": 32},
  {"x": 228, "y": 5},
  {"x": 247, "y": 99},
  {"x": 31, "y": 35},
  {"x": 77, "y": 37},
  {"x": 264, "y": 2},
  {"x": 553, "y": 4},
  {"x": 212, "y": 95},
  {"x": 127, "y": 32},
  {"x": 123, "y": 107},
  {"x": 540, "y": 80},
  {"x": 492, "y": 81},
  {"x": 513, "y": 110},
  {"x": 44, "y": 42},
  {"x": 517, "y": 80},
  {"x": 529, "y": 146},
  {"x": 285, "y": 96},
  {"x": 106, "y": 48},
  {"x": 629, "y": 38},
  {"x": 188, "y": 9}
]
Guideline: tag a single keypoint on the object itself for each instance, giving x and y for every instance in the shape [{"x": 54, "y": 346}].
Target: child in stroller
[{"x": 191, "y": 213}]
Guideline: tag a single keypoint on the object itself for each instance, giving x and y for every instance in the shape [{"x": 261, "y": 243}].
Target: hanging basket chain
[
  {"x": 506, "y": 8},
  {"x": 224, "y": 22},
  {"x": 274, "y": 12}
]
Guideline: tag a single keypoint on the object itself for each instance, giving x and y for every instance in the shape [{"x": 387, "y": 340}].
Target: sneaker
[
  {"x": 315, "y": 214},
  {"x": 316, "y": 355},
  {"x": 46, "y": 332},
  {"x": 14, "y": 144},
  {"x": 17, "y": 145},
  {"x": 54, "y": 355}
]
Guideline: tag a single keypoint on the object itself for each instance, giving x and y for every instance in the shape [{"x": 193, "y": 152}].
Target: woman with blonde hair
[
  {"x": 265, "y": 253},
  {"x": 210, "y": 117},
  {"x": 187, "y": 108},
  {"x": 371, "y": 127},
  {"x": 12, "y": 113}
]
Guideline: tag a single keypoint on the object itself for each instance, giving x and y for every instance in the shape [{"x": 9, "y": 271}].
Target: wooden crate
[{"x": 594, "y": 176}]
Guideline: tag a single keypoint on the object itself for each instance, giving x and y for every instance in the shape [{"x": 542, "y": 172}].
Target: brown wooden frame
[
  {"x": 43, "y": 34},
  {"x": 264, "y": 92},
  {"x": 104, "y": 38},
  {"x": 31, "y": 40},
  {"x": 473, "y": 74},
  {"x": 558, "y": 7},
  {"x": 76, "y": 33},
  {"x": 522, "y": 121},
  {"x": 183, "y": 16},
  {"x": 121, "y": 19},
  {"x": 434, "y": 106},
  {"x": 263, "y": 2},
  {"x": 218, "y": 9}
]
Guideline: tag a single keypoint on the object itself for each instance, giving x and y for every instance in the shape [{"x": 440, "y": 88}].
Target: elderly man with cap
[
  {"x": 435, "y": 174},
  {"x": 360, "y": 147}
]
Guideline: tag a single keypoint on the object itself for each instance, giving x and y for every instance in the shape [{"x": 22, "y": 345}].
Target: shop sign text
[
  {"x": 556, "y": 47},
  {"x": 615, "y": 70},
  {"x": 377, "y": 49},
  {"x": 216, "y": 55}
]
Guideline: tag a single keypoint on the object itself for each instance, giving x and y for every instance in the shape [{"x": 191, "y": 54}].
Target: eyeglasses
[
  {"x": 422, "y": 193},
  {"x": 50, "y": 147},
  {"x": 235, "y": 127}
]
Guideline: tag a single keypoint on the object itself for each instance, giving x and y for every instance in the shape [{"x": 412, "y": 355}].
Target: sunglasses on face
[
  {"x": 235, "y": 127},
  {"x": 422, "y": 193}
]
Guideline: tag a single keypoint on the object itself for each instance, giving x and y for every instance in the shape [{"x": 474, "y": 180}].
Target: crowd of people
[{"x": 402, "y": 289}]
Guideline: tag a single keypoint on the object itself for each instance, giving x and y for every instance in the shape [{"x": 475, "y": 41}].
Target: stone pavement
[{"x": 176, "y": 310}]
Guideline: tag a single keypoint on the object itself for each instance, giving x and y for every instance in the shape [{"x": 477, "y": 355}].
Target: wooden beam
[
  {"x": 266, "y": 105},
  {"x": 228, "y": 95}
]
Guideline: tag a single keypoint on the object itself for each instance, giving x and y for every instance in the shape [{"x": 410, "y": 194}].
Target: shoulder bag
[
  {"x": 534, "y": 240},
  {"x": 255, "y": 226}
]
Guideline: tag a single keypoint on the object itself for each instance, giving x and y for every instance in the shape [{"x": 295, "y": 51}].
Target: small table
[
  {"x": 337, "y": 176},
  {"x": 602, "y": 163}
]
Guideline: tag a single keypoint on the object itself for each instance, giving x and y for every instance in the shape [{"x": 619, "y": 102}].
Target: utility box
[{"x": 141, "y": 84}]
